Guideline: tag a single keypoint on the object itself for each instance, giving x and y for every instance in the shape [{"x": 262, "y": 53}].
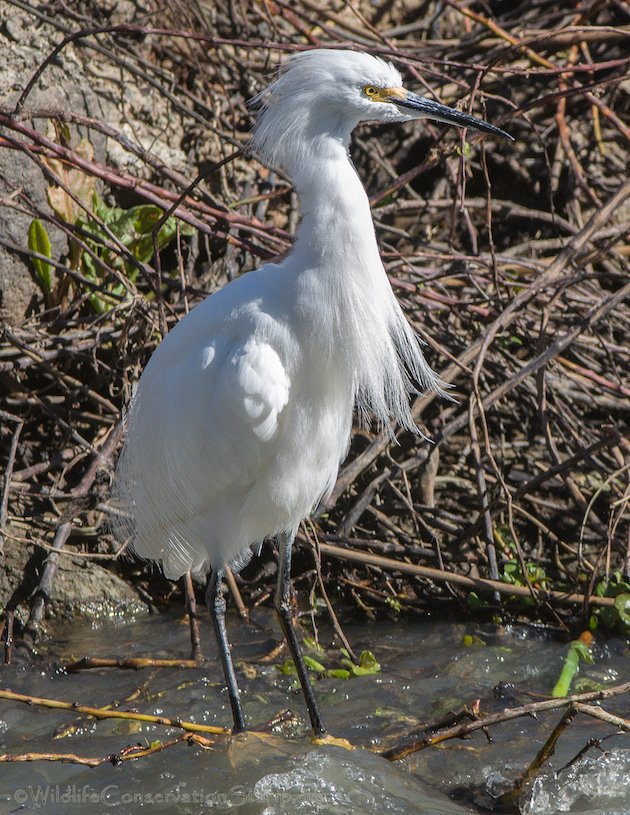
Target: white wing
[
  {"x": 201, "y": 434},
  {"x": 254, "y": 381}
]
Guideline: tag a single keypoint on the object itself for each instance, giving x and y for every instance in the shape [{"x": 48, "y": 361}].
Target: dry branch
[
  {"x": 480, "y": 723},
  {"x": 511, "y": 260}
]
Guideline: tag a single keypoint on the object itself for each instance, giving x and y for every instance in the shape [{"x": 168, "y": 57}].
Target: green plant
[
  {"x": 38, "y": 241},
  {"x": 133, "y": 228},
  {"x": 513, "y": 574},
  {"x": 616, "y": 616},
  {"x": 579, "y": 651},
  {"x": 366, "y": 665},
  {"x": 109, "y": 239}
]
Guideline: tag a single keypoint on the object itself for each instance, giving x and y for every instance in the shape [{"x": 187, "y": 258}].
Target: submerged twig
[{"x": 460, "y": 730}]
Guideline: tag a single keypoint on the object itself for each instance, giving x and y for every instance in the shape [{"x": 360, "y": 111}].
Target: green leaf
[
  {"x": 287, "y": 668},
  {"x": 99, "y": 304},
  {"x": 146, "y": 217},
  {"x": 392, "y": 602},
  {"x": 367, "y": 665},
  {"x": 513, "y": 574},
  {"x": 357, "y": 670},
  {"x": 470, "y": 640},
  {"x": 338, "y": 673},
  {"x": 38, "y": 241},
  {"x": 476, "y": 603},
  {"x": 608, "y": 616},
  {"x": 313, "y": 645},
  {"x": 89, "y": 267},
  {"x": 367, "y": 661},
  {"x": 133, "y": 228},
  {"x": 578, "y": 652},
  {"x": 313, "y": 664},
  {"x": 622, "y": 604},
  {"x": 611, "y": 588}
]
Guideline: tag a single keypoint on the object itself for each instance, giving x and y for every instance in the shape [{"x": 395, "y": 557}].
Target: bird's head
[{"x": 325, "y": 92}]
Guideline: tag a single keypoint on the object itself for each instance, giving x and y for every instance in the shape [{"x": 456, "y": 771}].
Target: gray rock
[
  {"x": 82, "y": 588},
  {"x": 61, "y": 87}
]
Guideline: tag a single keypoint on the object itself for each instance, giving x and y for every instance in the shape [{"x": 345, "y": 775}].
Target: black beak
[{"x": 422, "y": 108}]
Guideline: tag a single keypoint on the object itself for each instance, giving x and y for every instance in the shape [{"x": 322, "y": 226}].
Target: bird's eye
[{"x": 370, "y": 91}]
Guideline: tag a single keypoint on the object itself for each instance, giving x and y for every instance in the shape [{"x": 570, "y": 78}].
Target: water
[
  {"x": 595, "y": 785},
  {"x": 426, "y": 673}
]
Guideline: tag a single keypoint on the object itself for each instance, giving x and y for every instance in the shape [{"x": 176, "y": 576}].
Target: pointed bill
[{"x": 420, "y": 107}]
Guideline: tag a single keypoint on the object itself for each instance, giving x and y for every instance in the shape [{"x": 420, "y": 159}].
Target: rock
[
  {"x": 80, "y": 81},
  {"x": 60, "y": 87},
  {"x": 81, "y": 588}
]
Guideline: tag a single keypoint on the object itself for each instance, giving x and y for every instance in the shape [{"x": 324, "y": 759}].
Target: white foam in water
[
  {"x": 599, "y": 784},
  {"x": 329, "y": 781}
]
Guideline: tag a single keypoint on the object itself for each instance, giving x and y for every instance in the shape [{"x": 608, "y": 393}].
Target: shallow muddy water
[{"x": 426, "y": 672}]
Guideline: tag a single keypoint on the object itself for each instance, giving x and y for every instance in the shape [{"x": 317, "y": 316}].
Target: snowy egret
[{"x": 243, "y": 414}]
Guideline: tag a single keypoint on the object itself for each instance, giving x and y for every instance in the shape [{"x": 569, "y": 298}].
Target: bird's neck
[
  {"x": 348, "y": 312},
  {"x": 336, "y": 231}
]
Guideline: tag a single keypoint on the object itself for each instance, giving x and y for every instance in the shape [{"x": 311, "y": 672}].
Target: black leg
[
  {"x": 284, "y": 607},
  {"x": 216, "y": 606}
]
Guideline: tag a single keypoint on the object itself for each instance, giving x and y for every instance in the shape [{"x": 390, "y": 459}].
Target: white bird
[{"x": 243, "y": 414}]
